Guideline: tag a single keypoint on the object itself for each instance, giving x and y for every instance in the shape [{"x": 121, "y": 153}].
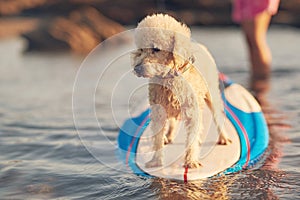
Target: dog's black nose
[{"x": 138, "y": 69}]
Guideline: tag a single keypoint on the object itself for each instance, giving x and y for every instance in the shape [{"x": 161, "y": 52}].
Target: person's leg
[{"x": 260, "y": 56}]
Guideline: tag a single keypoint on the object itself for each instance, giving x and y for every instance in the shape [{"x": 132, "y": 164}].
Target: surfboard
[{"x": 245, "y": 124}]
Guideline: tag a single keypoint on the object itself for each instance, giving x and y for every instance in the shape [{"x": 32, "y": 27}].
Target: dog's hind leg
[
  {"x": 173, "y": 124},
  {"x": 158, "y": 128},
  {"x": 218, "y": 117}
]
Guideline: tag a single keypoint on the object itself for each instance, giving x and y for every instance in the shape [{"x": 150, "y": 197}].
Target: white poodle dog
[{"x": 168, "y": 58}]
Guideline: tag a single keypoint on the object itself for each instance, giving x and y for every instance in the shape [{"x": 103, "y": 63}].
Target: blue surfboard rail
[{"x": 251, "y": 128}]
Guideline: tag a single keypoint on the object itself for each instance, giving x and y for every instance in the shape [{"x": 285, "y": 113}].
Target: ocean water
[{"x": 51, "y": 146}]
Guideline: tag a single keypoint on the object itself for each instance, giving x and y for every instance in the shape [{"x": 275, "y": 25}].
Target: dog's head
[{"x": 163, "y": 47}]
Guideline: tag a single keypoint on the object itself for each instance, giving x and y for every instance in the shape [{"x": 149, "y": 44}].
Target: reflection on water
[
  {"x": 277, "y": 123},
  {"x": 214, "y": 188},
  {"x": 42, "y": 157}
]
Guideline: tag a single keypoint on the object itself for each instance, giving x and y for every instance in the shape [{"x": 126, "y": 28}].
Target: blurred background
[{"x": 65, "y": 24}]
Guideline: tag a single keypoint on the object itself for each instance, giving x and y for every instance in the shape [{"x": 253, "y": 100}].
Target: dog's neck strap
[{"x": 187, "y": 65}]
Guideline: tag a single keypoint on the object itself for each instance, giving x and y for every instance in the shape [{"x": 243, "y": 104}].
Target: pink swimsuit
[{"x": 248, "y": 9}]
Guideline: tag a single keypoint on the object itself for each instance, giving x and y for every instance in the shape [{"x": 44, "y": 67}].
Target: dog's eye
[{"x": 155, "y": 49}]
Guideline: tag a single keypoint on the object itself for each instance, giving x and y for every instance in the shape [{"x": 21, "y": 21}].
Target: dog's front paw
[
  {"x": 154, "y": 163},
  {"x": 192, "y": 164},
  {"x": 224, "y": 140}
]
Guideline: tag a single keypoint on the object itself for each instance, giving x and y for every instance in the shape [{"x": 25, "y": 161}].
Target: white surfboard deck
[{"x": 214, "y": 158}]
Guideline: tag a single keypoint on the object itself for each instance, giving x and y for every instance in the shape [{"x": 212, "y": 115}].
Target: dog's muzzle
[{"x": 139, "y": 70}]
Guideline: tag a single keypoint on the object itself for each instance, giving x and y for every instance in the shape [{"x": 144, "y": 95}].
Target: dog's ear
[
  {"x": 182, "y": 49},
  {"x": 182, "y": 46}
]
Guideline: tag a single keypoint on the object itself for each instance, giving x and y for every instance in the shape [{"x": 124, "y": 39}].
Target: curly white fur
[
  {"x": 165, "y": 33},
  {"x": 171, "y": 61}
]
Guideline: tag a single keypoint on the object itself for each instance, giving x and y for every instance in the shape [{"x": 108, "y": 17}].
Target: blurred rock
[
  {"x": 12, "y": 27},
  {"x": 84, "y": 29},
  {"x": 40, "y": 39},
  {"x": 81, "y": 31},
  {"x": 10, "y": 7}
]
